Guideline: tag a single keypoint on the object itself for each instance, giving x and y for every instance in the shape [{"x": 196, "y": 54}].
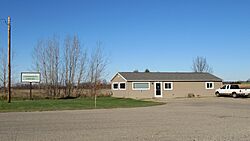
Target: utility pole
[{"x": 9, "y": 60}]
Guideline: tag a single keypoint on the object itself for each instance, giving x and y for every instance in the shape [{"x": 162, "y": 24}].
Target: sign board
[{"x": 30, "y": 77}]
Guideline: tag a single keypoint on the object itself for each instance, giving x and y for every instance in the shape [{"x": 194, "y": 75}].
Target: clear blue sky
[{"x": 161, "y": 35}]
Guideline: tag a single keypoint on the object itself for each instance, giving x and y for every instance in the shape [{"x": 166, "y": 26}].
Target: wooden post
[
  {"x": 95, "y": 94},
  {"x": 95, "y": 100},
  {"x": 31, "y": 91},
  {"x": 9, "y": 60}
]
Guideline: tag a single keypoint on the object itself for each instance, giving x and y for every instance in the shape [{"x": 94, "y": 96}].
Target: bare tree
[
  {"x": 67, "y": 71},
  {"x": 15, "y": 75},
  {"x": 40, "y": 63},
  {"x": 200, "y": 65},
  {"x": 97, "y": 66},
  {"x": 74, "y": 65},
  {"x": 3, "y": 69},
  {"x": 81, "y": 73},
  {"x": 71, "y": 56},
  {"x": 46, "y": 61},
  {"x": 52, "y": 52}
]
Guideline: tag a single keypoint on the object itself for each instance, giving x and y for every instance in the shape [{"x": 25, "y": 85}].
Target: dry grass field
[
  {"x": 41, "y": 93},
  {"x": 245, "y": 85}
]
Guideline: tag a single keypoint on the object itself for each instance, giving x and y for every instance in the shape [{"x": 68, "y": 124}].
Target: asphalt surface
[{"x": 196, "y": 119}]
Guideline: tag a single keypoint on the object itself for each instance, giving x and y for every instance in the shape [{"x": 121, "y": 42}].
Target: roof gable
[
  {"x": 119, "y": 75},
  {"x": 169, "y": 76}
]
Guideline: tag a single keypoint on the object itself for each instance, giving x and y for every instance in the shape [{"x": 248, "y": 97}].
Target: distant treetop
[
  {"x": 136, "y": 71},
  {"x": 200, "y": 65}
]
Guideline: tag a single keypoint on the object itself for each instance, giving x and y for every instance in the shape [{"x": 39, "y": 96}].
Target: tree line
[
  {"x": 3, "y": 69},
  {"x": 67, "y": 68},
  {"x": 64, "y": 67}
]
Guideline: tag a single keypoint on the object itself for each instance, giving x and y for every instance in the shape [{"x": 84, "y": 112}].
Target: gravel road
[{"x": 196, "y": 119}]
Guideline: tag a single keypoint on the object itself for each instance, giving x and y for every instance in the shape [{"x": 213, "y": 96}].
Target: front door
[{"x": 158, "y": 89}]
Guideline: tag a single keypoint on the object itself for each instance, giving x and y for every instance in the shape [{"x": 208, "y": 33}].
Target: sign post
[
  {"x": 30, "y": 77},
  {"x": 31, "y": 98}
]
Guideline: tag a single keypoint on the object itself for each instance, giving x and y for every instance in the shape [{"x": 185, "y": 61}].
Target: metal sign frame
[{"x": 30, "y": 74}]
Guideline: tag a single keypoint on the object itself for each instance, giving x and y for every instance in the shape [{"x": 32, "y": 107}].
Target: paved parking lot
[{"x": 196, "y": 119}]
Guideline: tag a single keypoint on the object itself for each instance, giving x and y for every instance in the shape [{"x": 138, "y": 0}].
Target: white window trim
[
  {"x": 211, "y": 87},
  {"x": 122, "y": 88},
  {"x": 113, "y": 86},
  {"x": 172, "y": 86},
  {"x": 140, "y": 88}
]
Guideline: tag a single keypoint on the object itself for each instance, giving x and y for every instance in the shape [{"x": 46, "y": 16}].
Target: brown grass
[
  {"x": 245, "y": 86},
  {"x": 41, "y": 93}
]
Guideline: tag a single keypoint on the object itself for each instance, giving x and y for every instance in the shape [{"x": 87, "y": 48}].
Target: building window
[
  {"x": 122, "y": 86},
  {"x": 140, "y": 85},
  {"x": 115, "y": 86},
  {"x": 209, "y": 85},
  {"x": 168, "y": 85}
]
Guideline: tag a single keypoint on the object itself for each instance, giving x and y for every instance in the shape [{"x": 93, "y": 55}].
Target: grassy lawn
[{"x": 72, "y": 104}]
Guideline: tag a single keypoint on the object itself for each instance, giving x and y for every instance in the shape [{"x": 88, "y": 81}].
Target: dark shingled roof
[{"x": 169, "y": 76}]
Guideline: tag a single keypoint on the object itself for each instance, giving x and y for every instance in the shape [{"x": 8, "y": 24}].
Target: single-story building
[{"x": 164, "y": 84}]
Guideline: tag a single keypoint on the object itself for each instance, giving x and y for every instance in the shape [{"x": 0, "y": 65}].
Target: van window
[
  {"x": 234, "y": 87},
  {"x": 224, "y": 87}
]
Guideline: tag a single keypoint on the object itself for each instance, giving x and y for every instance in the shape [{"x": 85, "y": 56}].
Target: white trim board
[
  {"x": 172, "y": 86},
  {"x": 155, "y": 90},
  {"x": 140, "y": 89},
  {"x": 122, "y": 88},
  {"x": 112, "y": 86},
  {"x": 209, "y": 88}
]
